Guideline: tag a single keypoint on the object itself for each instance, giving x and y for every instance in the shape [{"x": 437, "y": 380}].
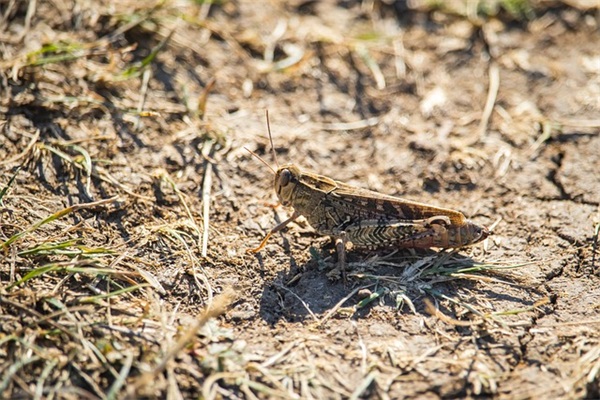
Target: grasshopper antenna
[
  {"x": 271, "y": 139},
  {"x": 260, "y": 159}
]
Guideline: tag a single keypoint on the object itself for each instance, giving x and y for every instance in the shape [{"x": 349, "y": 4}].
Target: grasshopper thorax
[{"x": 286, "y": 182}]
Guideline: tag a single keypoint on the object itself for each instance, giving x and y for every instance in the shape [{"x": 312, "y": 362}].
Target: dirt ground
[{"x": 128, "y": 200}]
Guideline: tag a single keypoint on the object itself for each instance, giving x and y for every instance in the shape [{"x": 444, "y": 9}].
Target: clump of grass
[{"x": 421, "y": 275}]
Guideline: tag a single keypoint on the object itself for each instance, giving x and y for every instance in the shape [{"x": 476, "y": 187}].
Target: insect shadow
[{"x": 397, "y": 280}]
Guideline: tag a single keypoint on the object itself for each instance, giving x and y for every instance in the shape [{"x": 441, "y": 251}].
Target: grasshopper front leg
[{"x": 272, "y": 231}]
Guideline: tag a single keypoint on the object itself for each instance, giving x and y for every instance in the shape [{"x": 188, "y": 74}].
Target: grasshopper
[{"x": 367, "y": 219}]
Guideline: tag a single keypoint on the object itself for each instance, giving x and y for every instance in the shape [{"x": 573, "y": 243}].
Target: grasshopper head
[{"x": 286, "y": 181}]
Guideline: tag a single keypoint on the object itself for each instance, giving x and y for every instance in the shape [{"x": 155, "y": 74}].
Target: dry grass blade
[
  {"x": 364, "y": 386},
  {"x": 40, "y": 384},
  {"x": 494, "y": 75},
  {"x": 206, "y": 190},
  {"x": 25, "y": 152},
  {"x": 595, "y": 244},
  {"x": 372, "y": 65},
  {"x": 115, "y": 389},
  {"x": 87, "y": 166},
  {"x": 103, "y": 174},
  {"x": 268, "y": 391},
  {"x": 434, "y": 311},
  {"x": 204, "y": 97},
  {"x": 304, "y": 304},
  {"x": 62, "y": 310},
  {"x": 143, "y": 97},
  {"x": 167, "y": 178},
  {"x": 39, "y": 317},
  {"x": 13, "y": 369},
  {"x": 349, "y": 126}
]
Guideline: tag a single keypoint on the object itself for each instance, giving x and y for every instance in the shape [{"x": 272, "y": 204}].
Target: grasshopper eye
[{"x": 285, "y": 177}]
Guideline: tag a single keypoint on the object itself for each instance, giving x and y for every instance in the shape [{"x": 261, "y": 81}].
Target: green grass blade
[
  {"x": 53, "y": 217},
  {"x": 69, "y": 248},
  {"x": 95, "y": 299},
  {"x": 8, "y": 185},
  {"x": 35, "y": 273}
]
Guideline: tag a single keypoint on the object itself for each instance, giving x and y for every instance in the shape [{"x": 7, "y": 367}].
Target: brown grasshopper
[{"x": 367, "y": 219}]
